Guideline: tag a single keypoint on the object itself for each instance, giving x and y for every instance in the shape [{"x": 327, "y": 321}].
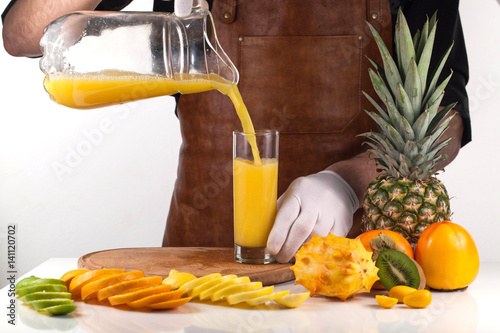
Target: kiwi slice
[{"x": 397, "y": 269}]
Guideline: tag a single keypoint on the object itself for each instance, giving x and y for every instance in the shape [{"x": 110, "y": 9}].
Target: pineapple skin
[
  {"x": 335, "y": 267},
  {"x": 405, "y": 206}
]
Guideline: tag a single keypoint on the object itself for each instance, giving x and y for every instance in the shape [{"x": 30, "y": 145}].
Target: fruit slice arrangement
[
  {"x": 133, "y": 289},
  {"x": 231, "y": 289},
  {"x": 118, "y": 287},
  {"x": 48, "y": 296}
]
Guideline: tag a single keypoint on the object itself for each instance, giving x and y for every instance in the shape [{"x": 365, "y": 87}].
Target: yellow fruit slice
[
  {"x": 69, "y": 275},
  {"x": 205, "y": 295},
  {"x": 400, "y": 292},
  {"x": 246, "y": 295},
  {"x": 127, "y": 286},
  {"x": 138, "y": 294},
  {"x": 418, "y": 299},
  {"x": 186, "y": 288},
  {"x": 292, "y": 300},
  {"x": 238, "y": 288},
  {"x": 177, "y": 280},
  {"x": 195, "y": 292},
  {"x": 386, "y": 302},
  {"x": 91, "y": 289},
  {"x": 79, "y": 281},
  {"x": 163, "y": 297},
  {"x": 169, "y": 304},
  {"x": 266, "y": 298}
]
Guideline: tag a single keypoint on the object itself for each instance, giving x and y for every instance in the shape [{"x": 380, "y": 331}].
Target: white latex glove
[
  {"x": 317, "y": 204},
  {"x": 182, "y": 8}
]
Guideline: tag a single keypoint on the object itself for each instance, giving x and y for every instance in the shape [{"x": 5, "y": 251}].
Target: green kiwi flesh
[{"x": 396, "y": 269}]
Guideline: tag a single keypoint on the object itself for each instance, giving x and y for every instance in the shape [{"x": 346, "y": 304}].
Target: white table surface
[{"x": 473, "y": 310}]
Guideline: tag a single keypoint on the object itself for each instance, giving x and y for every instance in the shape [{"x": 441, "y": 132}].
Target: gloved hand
[
  {"x": 317, "y": 204},
  {"x": 182, "y": 8}
]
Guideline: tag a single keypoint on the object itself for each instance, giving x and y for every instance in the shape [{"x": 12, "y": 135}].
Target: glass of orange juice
[{"x": 255, "y": 184}]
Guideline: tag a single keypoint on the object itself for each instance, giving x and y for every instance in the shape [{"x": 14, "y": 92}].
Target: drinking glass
[{"x": 255, "y": 182}]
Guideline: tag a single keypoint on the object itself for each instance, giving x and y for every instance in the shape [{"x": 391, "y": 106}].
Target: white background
[{"x": 116, "y": 186}]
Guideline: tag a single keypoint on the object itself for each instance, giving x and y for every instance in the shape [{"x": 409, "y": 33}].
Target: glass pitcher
[{"x": 94, "y": 59}]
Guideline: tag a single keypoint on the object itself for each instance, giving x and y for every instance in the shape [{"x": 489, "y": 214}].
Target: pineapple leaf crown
[{"x": 411, "y": 122}]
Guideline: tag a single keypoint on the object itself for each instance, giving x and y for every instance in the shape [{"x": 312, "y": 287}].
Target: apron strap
[{"x": 227, "y": 10}]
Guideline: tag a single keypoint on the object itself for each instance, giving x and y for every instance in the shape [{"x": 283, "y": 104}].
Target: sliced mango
[
  {"x": 69, "y": 275},
  {"x": 129, "y": 286},
  {"x": 76, "y": 284},
  {"x": 168, "y": 296},
  {"x": 169, "y": 304},
  {"x": 91, "y": 289},
  {"x": 138, "y": 294}
]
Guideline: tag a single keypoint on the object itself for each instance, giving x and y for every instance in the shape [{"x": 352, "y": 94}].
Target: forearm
[
  {"x": 360, "y": 170},
  {"x": 455, "y": 131},
  {"x": 24, "y": 23}
]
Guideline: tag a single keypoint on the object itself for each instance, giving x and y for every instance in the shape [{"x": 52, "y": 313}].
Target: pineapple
[{"x": 407, "y": 197}]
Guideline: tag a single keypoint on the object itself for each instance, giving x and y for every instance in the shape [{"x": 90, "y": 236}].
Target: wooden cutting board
[{"x": 198, "y": 261}]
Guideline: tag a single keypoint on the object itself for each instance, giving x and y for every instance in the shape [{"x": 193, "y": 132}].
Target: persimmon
[
  {"x": 448, "y": 256},
  {"x": 401, "y": 243}
]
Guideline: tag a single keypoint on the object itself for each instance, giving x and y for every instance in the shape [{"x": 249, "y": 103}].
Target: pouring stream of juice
[{"x": 83, "y": 91}]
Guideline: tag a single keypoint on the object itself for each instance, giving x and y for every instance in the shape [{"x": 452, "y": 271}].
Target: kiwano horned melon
[{"x": 335, "y": 267}]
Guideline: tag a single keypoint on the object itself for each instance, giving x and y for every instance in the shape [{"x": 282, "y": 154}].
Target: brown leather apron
[{"x": 302, "y": 68}]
